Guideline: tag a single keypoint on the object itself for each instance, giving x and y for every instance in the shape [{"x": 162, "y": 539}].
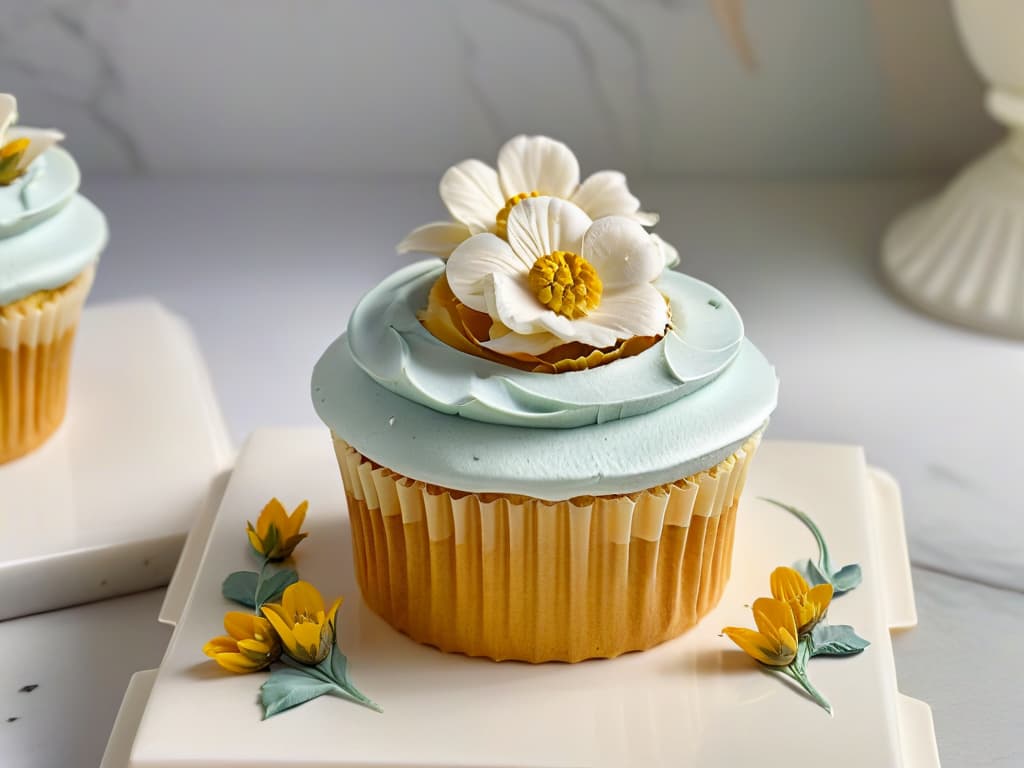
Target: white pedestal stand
[{"x": 960, "y": 256}]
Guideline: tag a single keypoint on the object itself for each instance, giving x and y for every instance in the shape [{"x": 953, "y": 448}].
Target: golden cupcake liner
[
  {"x": 513, "y": 577},
  {"x": 36, "y": 339}
]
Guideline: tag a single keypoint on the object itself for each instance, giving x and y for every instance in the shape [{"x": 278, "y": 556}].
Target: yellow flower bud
[
  {"x": 808, "y": 604},
  {"x": 775, "y": 641},
  {"x": 251, "y": 644},
  {"x": 306, "y": 630},
  {"x": 276, "y": 533}
]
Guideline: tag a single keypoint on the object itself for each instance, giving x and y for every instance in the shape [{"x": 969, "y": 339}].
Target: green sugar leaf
[
  {"x": 846, "y": 578},
  {"x": 240, "y": 587},
  {"x": 274, "y": 585},
  {"x": 297, "y": 683},
  {"x": 289, "y": 687},
  {"x": 836, "y": 640},
  {"x": 815, "y": 575}
]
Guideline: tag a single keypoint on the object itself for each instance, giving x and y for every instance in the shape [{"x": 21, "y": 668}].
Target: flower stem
[
  {"x": 806, "y": 684},
  {"x": 259, "y": 585},
  {"x": 824, "y": 560}
]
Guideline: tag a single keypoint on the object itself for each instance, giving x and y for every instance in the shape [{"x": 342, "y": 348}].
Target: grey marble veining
[{"x": 392, "y": 86}]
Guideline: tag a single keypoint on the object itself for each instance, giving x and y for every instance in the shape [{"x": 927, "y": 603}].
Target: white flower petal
[
  {"x": 471, "y": 192},
  {"x": 537, "y": 164},
  {"x": 474, "y": 260},
  {"x": 605, "y": 193},
  {"x": 8, "y": 114},
  {"x": 40, "y": 140},
  {"x": 639, "y": 310},
  {"x": 539, "y": 226},
  {"x": 584, "y": 330},
  {"x": 440, "y": 237},
  {"x": 511, "y": 301},
  {"x": 528, "y": 344},
  {"x": 668, "y": 252},
  {"x": 622, "y": 252}
]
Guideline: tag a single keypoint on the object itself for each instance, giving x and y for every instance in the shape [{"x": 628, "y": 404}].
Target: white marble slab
[
  {"x": 397, "y": 86},
  {"x": 681, "y": 703},
  {"x": 103, "y": 507}
]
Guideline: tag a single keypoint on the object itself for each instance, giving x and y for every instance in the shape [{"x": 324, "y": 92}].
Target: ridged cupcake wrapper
[
  {"x": 36, "y": 342},
  {"x": 512, "y": 577}
]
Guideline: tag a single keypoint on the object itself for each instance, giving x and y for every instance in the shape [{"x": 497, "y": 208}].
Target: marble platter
[
  {"x": 692, "y": 701},
  {"x": 103, "y": 508}
]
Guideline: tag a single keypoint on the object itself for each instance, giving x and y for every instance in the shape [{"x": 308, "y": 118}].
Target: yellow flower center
[
  {"x": 501, "y": 220},
  {"x": 566, "y": 283},
  {"x": 13, "y": 148}
]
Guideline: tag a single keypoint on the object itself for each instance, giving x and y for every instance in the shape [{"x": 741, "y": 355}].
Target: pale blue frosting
[
  {"x": 46, "y": 187},
  {"x": 52, "y": 253},
  {"x": 442, "y": 445},
  {"x": 392, "y": 346}
]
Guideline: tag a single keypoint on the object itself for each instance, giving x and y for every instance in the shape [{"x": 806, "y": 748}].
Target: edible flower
[
  {"x": 19, "y": 147},
  {"x": 808, "y": 604},
  {"x": 481, "y": 199},
  {"x": 306, "y": 630},
  {"x": 561, "y": 277},
  {"x": 250, "y": 645},
  {"x": 276, "y": 533},
  {"x": 775, "y": 641}
]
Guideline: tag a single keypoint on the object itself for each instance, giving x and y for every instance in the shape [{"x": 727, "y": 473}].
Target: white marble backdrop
[{"x": 851, "y": 87}]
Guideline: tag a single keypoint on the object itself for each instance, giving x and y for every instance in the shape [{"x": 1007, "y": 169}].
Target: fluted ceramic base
[{"x": 960, "y": 256}]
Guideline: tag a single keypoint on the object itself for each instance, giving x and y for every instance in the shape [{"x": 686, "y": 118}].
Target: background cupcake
[
  {"x": 544, "y": 439},
  {"x": 50, "y": 240}
]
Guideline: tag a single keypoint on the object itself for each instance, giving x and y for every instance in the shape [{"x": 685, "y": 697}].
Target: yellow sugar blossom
[
  {"x": 250, "y": 646},
  {"x": 276, "y": 533},
  {"x": 775, "y": 641},
  {"x": 306, "y": 630},
  {"x": 808, "y": 604}
]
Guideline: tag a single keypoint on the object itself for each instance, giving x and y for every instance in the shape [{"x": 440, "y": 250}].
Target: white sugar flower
[
  {"x": 481, "y": 198},
  {"x": 561, "y": 277},
  {"x": 19, "y": 146}
]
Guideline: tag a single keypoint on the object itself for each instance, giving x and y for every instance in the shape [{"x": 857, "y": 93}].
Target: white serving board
[
  {"x": 692, "y": 701},
  {"x": 103, "y": 508}
]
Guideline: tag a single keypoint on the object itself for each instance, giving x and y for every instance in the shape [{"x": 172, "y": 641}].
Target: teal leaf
[
  {"x": 846, "y": 578},
  {"x": 328, "y": 677},
  {"x": 289, "y": 687},
  {"x": 272, "y": 587},
  {"x": 836, "y": 640},
  {"x": 240, "y": 587},
  {"x": 815, "y": 576},
  {"x": 336, "y": 666}
]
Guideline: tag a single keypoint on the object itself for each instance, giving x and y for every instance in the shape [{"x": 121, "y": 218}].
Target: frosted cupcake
[
  {"x": 50, "y": 240},
  {"x": 544, "y": 435}
]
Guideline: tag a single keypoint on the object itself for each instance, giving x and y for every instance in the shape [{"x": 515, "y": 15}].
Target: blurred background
[{"x": 840, "y": 87}]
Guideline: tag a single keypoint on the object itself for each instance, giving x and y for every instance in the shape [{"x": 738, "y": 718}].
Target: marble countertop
[{"x": 266, "y": 271}]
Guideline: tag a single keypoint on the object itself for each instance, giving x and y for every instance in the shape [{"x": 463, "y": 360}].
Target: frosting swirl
[
  {"x": 622, "y": 456},
  {"x": 48, "y": 185},
  {"x": 49, "y": 234},
  {"x": 388, "y": 342}
]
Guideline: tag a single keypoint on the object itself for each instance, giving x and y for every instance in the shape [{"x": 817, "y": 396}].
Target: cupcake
[
  {"x": 544, "y": 433},
  {"x": 50, "y": 240}
]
